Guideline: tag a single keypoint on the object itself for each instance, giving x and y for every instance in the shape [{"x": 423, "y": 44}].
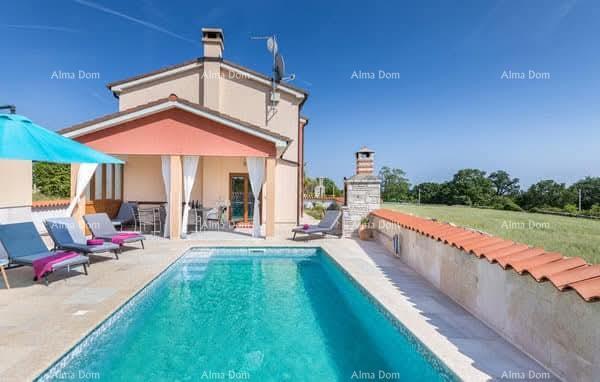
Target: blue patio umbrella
[{"x": 22, "y": 139}]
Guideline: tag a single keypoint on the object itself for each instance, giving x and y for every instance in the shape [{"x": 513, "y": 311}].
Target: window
[{"x": 107, "y": 183}]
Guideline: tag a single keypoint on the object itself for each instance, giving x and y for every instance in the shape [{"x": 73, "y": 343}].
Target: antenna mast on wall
[{"x": 278, "y": 72}]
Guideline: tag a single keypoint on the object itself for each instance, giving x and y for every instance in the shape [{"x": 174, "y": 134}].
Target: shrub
[
  {"x": 595, "y": 210},
  {"x": 51, "y": 179},
  {"x": 571, "y": 208},
  {"x": 504, "y": 203},
  {"x": 317, "y": 212}
]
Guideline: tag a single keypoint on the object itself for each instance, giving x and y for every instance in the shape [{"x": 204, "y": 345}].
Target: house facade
[{"x": 210, "y": 109}]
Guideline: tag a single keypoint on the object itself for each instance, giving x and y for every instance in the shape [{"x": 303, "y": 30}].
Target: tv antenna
[{"x": 278, "y": 69}]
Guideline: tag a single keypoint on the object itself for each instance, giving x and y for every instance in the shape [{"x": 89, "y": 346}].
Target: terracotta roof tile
[
  {"x": 563, "y": 272},
  {"x": 544, "y": 271},
  {"x": 563, "y": 279},
  {"x": 454, "y": 241},
  {"x": 507, "y": 261},
  {"x": 588, "y": 289},
  {"x": 532, "y": 262},
  {"x": 498, "y": 253},
  {"x": 483, "y": 243},
  {"x": 479, "y": 252}
]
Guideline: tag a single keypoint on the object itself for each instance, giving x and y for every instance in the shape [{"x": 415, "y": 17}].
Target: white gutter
[{"x": 279, "y": 143}]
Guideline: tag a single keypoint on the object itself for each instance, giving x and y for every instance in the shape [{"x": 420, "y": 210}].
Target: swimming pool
[{"x": 270, "y": 314}]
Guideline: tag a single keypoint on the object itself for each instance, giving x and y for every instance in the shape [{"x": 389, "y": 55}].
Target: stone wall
[
  {"x": 558, "y": 329},
  {"x": 363, "y": 196}
]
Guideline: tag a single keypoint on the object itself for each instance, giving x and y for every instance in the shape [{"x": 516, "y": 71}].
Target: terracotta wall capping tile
[
  {"x": 483, "y": 243},
  {"x": 542, "y": 272},
  {"x": 563, "y": 279},
  {"x": 507, "y": 261},
  {"x": 50, "y": 203},
  {"x": 563, "y": 272},
  {"x": 479, "y": 252},
  {"x": 492, "y": 256},
  {"x": 587, "y": 289},
  {"x": 525, "y": 265}
]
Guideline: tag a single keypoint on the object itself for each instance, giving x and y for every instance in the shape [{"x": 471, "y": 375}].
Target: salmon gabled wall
[{"x": 177, "y": 132}]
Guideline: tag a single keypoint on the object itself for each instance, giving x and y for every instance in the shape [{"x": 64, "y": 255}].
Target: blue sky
[{"x": 450, "y": 108}]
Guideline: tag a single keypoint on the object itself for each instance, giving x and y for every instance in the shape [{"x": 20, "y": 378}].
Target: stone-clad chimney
[
  {"x": 363, "y": 192},
  {"x": 213, "y": 42},
  {"x": 365, "y": 161}
]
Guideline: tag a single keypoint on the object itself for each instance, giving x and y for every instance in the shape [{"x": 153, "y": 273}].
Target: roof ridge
[{"x": 199, "y": 60}]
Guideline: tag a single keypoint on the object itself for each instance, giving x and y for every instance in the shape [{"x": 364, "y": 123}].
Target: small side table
[{"x": 3, "y": 263}]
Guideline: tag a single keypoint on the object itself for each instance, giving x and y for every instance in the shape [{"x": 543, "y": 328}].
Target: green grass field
[{"x": 569, "y": 236}]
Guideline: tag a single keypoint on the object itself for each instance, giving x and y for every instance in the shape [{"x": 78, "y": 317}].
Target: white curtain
[
  {"x": 166, "y": 174},
  {"x": 84, "y": 175},
  {"x": 256, "y": 173},
  {"x": 190, "y": 164}
]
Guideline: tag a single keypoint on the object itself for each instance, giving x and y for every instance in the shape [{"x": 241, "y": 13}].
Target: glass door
[
  {"x": 237, "y": 197},
  {"x": 241, "y": 198}
]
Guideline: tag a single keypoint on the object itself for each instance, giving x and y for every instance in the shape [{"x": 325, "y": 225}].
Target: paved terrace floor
[{"x": 40, "y": 323}]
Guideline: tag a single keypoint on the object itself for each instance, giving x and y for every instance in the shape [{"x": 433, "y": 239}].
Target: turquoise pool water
[{"x": 235, "y": 314}]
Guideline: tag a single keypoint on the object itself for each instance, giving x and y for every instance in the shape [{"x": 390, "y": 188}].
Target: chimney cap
[
  {"x": 213, "y": 34},
  {"x": 365, "y": 149}
]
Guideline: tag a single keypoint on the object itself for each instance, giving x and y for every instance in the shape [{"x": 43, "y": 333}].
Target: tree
[
  {"x": 394, "y": 184},
  {"x": 504, "y": 184},
  {"x": 52, "y": 179},
  {"x": 546, "y": 193},
  {"x": 331, "y": 188},
  {"x": 430, "y": 192},
  {"x": 590, "y": 191},
  {"x": 470, "y": 186}
]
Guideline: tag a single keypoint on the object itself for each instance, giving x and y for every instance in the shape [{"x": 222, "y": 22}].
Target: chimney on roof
[
  {"x": 365, "y": 164},
  {"x": 213, "y": 42}
]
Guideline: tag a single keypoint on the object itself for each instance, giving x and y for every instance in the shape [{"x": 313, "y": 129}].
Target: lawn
[{"x": 567, "y": 235}]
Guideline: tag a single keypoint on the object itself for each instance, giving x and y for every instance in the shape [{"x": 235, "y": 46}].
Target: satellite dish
[
  {"x": 272, "y": 45},
  {"x": 279, "y": 70}
]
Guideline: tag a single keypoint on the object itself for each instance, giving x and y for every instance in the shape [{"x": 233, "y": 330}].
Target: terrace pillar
[
  {"x": 270, "y": 197},
  {"x": 175, "y": 197}
]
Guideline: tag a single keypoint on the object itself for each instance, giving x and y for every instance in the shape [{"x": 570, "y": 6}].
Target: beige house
[
  {"x": 204, "y": 122},
  {"x": 15, "y": 196}
]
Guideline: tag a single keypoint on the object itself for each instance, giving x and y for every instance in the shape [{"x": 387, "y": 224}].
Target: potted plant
[{"x": 364, "y": 230}]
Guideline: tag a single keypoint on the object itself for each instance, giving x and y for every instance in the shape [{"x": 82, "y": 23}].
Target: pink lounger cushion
[
  {"x": 95, "y": 242},
  {"x": 120, "y": 238},
  {"x": 44, "y": 265}
]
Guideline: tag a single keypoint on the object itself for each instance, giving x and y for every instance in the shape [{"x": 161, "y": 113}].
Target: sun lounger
[
  {"x": 326, "y": 226},
  {"x": 102, "y": 228},
  {"x": 126, "y": 215},
  {"x": 67, "y": 235},
  {"x": 24, "y": 246}
]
